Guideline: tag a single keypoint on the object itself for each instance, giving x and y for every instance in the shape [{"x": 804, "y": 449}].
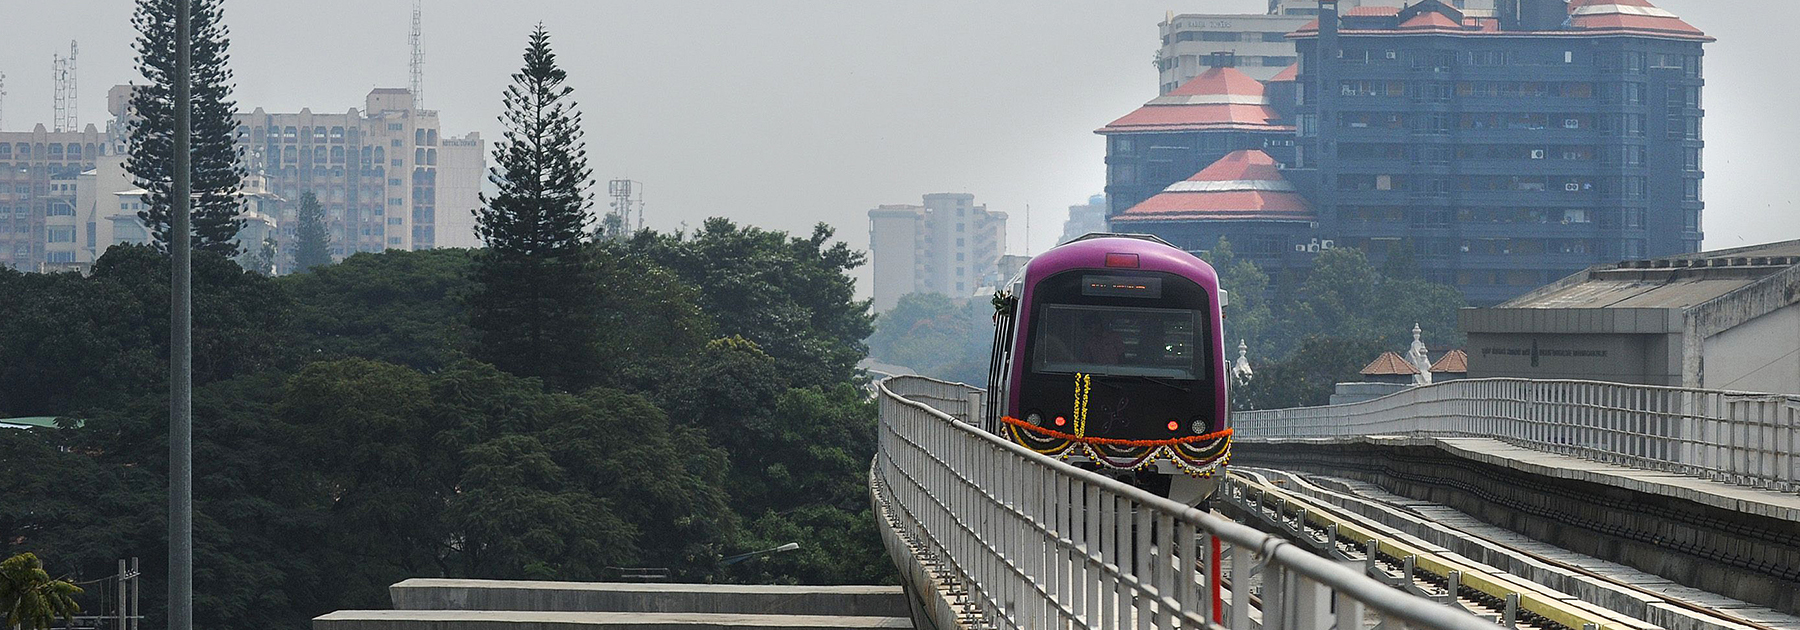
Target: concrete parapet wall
[
  {"x": 516, "y": 620},
  {"x": 501, "y": 595},
  {"x": 1723, "y": 541}
]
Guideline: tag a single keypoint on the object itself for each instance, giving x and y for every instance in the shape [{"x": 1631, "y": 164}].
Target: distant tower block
[{"x": 417, "y": 40}]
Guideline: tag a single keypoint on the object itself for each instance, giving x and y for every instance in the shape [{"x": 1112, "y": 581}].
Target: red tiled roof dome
[
  {"x": 1220, "y": 98},
  {"x": 1389, "y": 364},
  {"x": 1427, "y": 20},
  {"x": 1627, "y": 15},
  {"x": 1453, "y": 362},
  {"x": 1291, "y": 73},
  {"x": 1242, "y": 186}
]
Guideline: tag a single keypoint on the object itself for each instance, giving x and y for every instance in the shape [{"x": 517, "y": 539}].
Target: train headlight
[
  {"x": 1199, "y": 426},
  {"x": 1036, "y": 419}
]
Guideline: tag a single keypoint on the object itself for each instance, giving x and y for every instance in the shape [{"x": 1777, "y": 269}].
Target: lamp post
[{"x": 746, "y": 556}]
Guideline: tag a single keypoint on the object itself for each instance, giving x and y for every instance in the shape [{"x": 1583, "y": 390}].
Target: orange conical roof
[
  {"x": 1453, "y": 362},
  {"x": 1220, "y": 98},
  {"x": 1389, "y": 364},
  {"x": 1242, "y": 186}
]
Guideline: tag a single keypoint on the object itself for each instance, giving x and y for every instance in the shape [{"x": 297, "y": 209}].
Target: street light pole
[
  {"x": 746, "y": 556},
  {"x": 181, "y": 342}
]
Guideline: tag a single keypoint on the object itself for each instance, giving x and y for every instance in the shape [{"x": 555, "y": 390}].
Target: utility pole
[{"x": 181, "y": 338}]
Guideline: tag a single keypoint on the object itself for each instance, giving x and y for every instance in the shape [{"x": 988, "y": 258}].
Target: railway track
[{"x": 1428, "y": 570}]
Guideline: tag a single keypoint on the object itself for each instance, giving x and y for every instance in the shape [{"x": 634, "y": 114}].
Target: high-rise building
[
  {"x": 1503, "y": 152},
  {"x": 462, "y": 165},
  {"x": 946, "y": 245},
  {"x": 1086, "y": 218},
  {"x": 1257, "y": 45},
  {"x": 38, "y": 170},
  {"x": 375, "y": 171}
]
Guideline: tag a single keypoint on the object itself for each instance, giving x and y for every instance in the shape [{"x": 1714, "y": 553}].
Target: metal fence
[
  {"x": 1027, "y": 541},
  {"x": 1734, "y": 437}
]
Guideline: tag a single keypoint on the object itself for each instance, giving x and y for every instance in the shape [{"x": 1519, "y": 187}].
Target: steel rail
[{"x": 1578, "y": 569}]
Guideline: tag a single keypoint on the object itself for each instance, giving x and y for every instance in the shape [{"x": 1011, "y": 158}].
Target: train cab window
[{"x": 1122, "y": 341}]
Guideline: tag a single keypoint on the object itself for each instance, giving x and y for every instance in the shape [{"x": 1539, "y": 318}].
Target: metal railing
[
  {"x": 1027, "y": 541},
  {"x": 1734, "y": 437}
]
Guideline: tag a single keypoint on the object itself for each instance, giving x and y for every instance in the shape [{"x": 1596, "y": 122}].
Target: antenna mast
[
  {"x": 62, "y": 74},
  {"x": 2, "y": 100},
  {"x": 418, "y": 56},
  {"x": 627, "y": 195}
]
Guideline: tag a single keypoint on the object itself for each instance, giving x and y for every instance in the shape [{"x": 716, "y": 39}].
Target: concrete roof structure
[{"x": 1725, "y": 319}]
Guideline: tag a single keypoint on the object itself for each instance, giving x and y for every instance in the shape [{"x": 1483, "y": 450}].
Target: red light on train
[
  {"x": 1122, "y": 260},
  {"x": 1061, "y": 421},
  {"x": 1174, "y": 426}
]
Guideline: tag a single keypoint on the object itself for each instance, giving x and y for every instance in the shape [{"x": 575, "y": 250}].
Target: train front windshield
[{"x": 1120, "y": 341}]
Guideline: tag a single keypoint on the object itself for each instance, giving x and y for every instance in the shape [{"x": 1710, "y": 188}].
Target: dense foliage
[
  {"x": 936, "y": 336},
  {"x": 1342, "y": 314},
  {"x": 345, "y": 438},
  {"x": 214, "y": 156}
]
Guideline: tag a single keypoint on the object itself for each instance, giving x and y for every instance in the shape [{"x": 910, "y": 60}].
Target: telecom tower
[
  {"x": 62, "y": 73},
  {"x": 2, "y": 100},
  {"x": 418, "y": 56},
  {"x": 627, "y": 195}
]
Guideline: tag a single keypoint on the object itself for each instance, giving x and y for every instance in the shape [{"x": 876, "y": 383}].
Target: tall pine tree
[
  {"x": 536, "y": 311},
  {"x": 312, "y": 244},
  {"x": 151, "y": 160}
]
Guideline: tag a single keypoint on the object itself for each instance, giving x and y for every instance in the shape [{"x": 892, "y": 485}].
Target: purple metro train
[{"x": 1108, "y": 353}]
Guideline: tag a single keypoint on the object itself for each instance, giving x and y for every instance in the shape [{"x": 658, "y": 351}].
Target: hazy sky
[{"x": 787, "y": 113}]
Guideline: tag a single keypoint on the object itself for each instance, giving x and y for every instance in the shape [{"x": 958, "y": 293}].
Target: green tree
[
  {"x": 396, "y": 306},
  {"x": 151, "y": 143},
  {"x": 1308, "y": 376},
  {"x": 312, "y": 244},
  {"x": 69, "y": 343},
  {"x": 1248, "y": 318},
  {"x": 792, "y": 296},
  {"x": 937, "y": 337},
  {"x": 535, "y": 308},
  {"x": 30, "y": 599}
]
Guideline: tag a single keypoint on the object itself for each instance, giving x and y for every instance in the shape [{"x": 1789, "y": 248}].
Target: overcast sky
[{"x": 788, "y": 113}]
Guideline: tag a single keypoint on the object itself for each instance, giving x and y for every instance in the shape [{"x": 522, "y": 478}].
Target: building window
[
  {"x": 1218, "y": 36},
  {"x": 59, "y": 235}
]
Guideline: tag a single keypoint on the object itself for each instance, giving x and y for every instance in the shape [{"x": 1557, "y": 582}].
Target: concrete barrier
[
  {"x": 502, "y": 595},
  {"x": 538, "y": 620}
]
